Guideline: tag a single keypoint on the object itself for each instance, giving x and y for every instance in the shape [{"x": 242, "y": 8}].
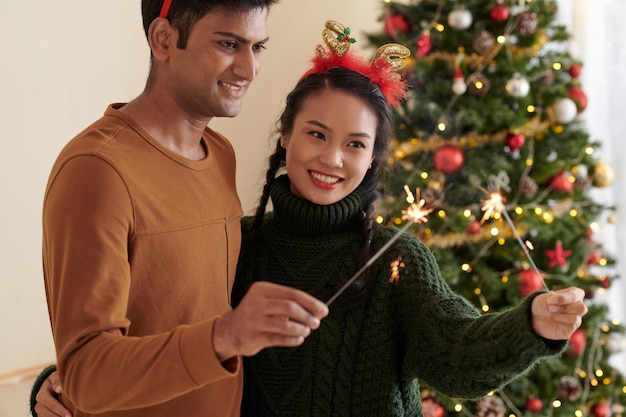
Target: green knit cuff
[
  {"x": 553, "y": 346},
  {"x": 45, "y": 373}
]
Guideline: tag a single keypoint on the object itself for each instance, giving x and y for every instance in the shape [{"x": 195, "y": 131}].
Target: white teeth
[
  {"x": 324, "y": 178},
  {"x": 231, "y": 86}
]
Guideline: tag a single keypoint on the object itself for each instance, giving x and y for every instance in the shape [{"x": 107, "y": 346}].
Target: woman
[{"x": 387, "y": 330}]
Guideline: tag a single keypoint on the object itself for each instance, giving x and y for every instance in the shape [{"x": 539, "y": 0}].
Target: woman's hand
[
  {"x": 557, "y": 314},
  {"x": 48, "y": 404}
]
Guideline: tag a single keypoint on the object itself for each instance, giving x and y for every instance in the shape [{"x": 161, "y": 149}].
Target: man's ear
[{"x": 161, "y": 38}]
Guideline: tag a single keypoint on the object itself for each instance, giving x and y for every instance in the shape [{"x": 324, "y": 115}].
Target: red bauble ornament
[
  {"x": 577, "y": 343},
  {"x": 448, "y": 159},
  {"x": 529, "y": 281},
  {"x": 605, "y": 282},
  {"x": 594, "y": 257},
  {"x": 601, "y": 410},
  {"x": 397, "y": 22},
  {"x": 562, "y": 182},
  {"x": 499, "y": 12},
  {"x": 575, "y": 69},
  {"x": 431, "y": 408},
  {"x": 473, "y": 227},
  {"x": 580, "y": 98},
  {"x": 515, "y": 140},
  {"x": 534, "y": 405}
]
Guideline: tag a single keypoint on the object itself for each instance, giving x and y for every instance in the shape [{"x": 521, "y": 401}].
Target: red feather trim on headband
[{"x": 381, "y": 71}]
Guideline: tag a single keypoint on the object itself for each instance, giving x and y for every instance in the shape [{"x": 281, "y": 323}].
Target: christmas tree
[{"x": 490, "y": 137}]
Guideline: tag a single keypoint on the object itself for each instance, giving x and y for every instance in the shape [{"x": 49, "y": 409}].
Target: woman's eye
[
  {"x": 318, "y": 135},
  {"x": 357, "y": 145}
]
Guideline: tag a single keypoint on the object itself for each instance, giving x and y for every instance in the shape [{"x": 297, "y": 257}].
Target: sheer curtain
[{"x": 598, "y": 40}]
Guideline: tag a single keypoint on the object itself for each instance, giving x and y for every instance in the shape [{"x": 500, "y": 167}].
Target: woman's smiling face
[{"x": 330, "y": 147}]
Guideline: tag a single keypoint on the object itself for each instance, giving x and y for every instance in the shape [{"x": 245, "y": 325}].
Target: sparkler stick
[
  {"x": 416, "y": 213},
  {"x": 495, "y": 204}
]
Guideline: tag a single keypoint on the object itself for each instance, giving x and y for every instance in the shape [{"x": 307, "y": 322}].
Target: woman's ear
[
  {"x": 284, "y": 139},
  {"x": 161, "y": 38}
]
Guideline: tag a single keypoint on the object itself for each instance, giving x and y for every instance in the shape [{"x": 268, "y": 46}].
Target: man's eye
[{"x": 229, "y": 45}]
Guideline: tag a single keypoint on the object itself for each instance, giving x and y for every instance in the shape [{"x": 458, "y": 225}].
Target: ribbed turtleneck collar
[{"x": 300, "y": 216}]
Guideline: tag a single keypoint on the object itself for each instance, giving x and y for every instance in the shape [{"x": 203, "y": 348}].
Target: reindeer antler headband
[{"x": 382, "y": 70}]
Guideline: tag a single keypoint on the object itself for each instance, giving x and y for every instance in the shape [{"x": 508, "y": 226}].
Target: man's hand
[
  {"x": 269, "y": 315},
  {"x": 48, "y": 404},
  {"x": 557, "y": 314}
]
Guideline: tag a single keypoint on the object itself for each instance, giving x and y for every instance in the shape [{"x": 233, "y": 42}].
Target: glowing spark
[
  {"x": 395, "y": 270},
  {"x": 494, "y": 204},
  {"x": 415, "y": 212}
]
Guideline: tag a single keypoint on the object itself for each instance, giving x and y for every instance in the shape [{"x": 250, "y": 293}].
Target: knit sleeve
[
  {"x": 450, "y": 344},
  {"x": 45, "y": 373}
]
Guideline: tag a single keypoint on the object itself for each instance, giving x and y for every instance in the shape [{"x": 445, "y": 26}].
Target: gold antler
[
  {"x": 337, "y": 37},
  {"x": 395, "y": 54}
]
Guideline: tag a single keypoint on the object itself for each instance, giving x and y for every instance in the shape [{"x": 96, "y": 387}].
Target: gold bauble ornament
[{"x": 603, "y": 174}]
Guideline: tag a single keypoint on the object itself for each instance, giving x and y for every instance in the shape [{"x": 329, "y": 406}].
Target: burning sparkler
[
  {"x": 416, "y": 212},
  {"x": 495, "y": 204}
]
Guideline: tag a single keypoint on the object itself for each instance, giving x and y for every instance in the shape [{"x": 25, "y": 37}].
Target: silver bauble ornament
[
  {"x": 565, "y": 110},
  {"x": 517, "y": 86},
  {"x": 460, "y": 19}
]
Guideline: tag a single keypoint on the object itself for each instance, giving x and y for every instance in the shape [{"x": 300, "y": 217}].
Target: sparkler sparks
[
  {"x": 495, "y": 204},
  {"x": 415, "y": 212}
]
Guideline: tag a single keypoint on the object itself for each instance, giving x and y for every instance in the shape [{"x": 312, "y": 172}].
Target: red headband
[
  {"x": 165, "y": 9},
  {"x": 382, "y": 70}
]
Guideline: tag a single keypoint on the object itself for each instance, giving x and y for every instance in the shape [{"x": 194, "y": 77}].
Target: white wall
[{"x": 62, "y": 62}]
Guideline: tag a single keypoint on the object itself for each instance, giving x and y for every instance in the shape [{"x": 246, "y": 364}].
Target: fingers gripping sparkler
[
  {"x": 495, "y": 204},
  {"x": 415, "y": 212}
]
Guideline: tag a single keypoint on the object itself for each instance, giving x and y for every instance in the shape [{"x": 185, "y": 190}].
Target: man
[{"x": 141, "y": 232}]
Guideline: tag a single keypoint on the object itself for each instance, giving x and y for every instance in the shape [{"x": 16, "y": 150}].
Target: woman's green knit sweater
[{"x": 367, "y": 361}]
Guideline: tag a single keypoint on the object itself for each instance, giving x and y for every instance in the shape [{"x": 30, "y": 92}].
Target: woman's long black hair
[{"x": 354, "y": 83}]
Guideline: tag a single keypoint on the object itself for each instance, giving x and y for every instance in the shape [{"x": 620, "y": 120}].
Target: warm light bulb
[
  {"x": 557, "y": 66},
  {"x": 556, "y": 403}
]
